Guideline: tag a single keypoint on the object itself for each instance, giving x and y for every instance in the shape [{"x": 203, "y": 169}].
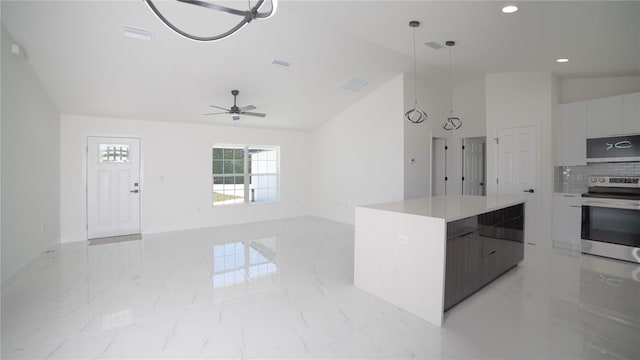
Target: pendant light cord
[
  {"x": 415, "y": 115},
  {"x": 415, "y": 70},
  {"x": 451, "y": 79}
]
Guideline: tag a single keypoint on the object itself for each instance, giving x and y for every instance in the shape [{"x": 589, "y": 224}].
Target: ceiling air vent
[
  {"x": 434, "y": 45},
  {"x": 281, "y": 63},
  {"x": 137, "y": 33},
  {"x": 355, "y": 84}
]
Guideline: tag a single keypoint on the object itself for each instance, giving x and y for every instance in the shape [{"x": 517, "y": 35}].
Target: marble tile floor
[{"x": 284, "y": 289}]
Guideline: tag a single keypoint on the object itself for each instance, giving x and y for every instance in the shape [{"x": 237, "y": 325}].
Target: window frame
[{"x": 247, "y": 174}]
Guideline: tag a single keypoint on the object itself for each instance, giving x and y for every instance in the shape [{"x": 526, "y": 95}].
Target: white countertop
[{"x": 450, "y": 207}]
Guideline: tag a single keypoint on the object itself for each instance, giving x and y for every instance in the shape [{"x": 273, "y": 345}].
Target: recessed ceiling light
[
  {"x": 509, "y": 9},
  {"x": 562, "y": 60},
  {"x": 15, "y": 49},
  {"x": 137, "y": 33}
]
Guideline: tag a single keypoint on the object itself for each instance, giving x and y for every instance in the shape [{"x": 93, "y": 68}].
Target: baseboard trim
[{"x": 114, "y": 239}]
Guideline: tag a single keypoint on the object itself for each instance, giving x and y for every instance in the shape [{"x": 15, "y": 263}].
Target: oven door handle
[{"x": 612, "y": 203}]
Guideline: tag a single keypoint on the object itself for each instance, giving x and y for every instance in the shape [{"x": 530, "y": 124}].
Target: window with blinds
[{"x": 244, "y": 174}]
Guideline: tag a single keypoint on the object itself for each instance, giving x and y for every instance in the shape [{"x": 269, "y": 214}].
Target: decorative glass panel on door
[{"x": 113, "y": 153}]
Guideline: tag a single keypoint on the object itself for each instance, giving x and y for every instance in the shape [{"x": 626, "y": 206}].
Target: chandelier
[{"x": 255, "y": 12}]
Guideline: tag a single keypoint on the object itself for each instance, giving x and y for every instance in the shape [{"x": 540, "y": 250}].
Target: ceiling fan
[{"x": 236, "y": 111}]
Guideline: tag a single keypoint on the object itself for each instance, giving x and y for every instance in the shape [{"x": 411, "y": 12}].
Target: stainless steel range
[{"x": 611, "y": 217}]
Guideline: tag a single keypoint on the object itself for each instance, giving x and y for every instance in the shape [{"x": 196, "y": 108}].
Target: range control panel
[{"x": 614, "y": 181}]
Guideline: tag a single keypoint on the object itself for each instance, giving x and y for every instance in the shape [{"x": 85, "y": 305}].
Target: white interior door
[
  {"x": 473, "y": 171},
  {"x": 113, "y": 186},
  {"x": 438, "y": 167},
  {"x": 517, "y": 172}
]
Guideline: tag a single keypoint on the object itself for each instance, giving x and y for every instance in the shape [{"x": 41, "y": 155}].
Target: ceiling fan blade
[
  {"x": 221, "y": 108},
  {"x": 253, "y": 114},
  {"x": 247, "y": 108},
  {"x": 218, "y": 113}
]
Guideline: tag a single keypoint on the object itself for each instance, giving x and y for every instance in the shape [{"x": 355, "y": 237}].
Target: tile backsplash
[{"x": 573, "y": 179}]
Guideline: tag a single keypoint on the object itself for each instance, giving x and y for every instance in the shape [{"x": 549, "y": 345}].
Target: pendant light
[
  {"x": 257, "y": 12},
  {"x": 452, "y": 122},
  {"x": 415, "y": 115}
]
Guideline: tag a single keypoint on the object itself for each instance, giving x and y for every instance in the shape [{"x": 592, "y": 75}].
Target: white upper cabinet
[
  {"x": 605, "y": 117},
  {"x": 578, "y": 121},
  {"x": 631, "y": 113},
  {"x": 572, "y": 145}
]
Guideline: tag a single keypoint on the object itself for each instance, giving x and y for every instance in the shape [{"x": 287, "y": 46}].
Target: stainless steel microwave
[{"x": 614, "y": 149}]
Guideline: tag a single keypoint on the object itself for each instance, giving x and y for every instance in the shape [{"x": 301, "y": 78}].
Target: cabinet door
[
  {"x": 556, "y": 136},
  {"x": 512, "y": 254},
  {"x": 631, "y": 113},
  {"x": 491, "y": 266},
  {"x": 573, "y": 143},
  {"x": 489, "y": 245},
  {"x": 567, "y": 219},
  {"x": 604, "y": 117},
  {"x": 463, "y": 272}
]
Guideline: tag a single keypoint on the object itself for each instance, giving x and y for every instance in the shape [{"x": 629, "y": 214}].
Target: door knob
[
  {"x": 135, "y": 191},
  {"x": 529, "y": 191}
]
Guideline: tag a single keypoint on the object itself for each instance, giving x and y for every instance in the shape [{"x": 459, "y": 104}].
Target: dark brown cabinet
[
  {"x": 463, "y": 271},
  {"x": 480, "y": 249}
]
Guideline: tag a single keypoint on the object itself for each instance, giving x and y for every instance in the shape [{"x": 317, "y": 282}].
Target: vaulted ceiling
[{"x": 79, "y": 52}]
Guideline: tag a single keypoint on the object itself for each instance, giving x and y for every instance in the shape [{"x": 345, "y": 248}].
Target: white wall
[
  {"x": 434, "y": 98},
  {"x": 579, "y": 89},
  {"x": 469, "y": 105},
  {"x": 417, "y": 137},
  {"x": 524, "y": 99},
  {"x": 357, "y": 156},
  {"x": 176, "y": 184},
  {"x": 30, "y": 163}
]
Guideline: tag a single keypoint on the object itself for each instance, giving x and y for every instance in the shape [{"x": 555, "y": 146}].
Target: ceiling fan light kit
[
  {"x": 253, "y": 13},
  {"x": 452, "y": 122},
  {"x": 415, "y": 115}
]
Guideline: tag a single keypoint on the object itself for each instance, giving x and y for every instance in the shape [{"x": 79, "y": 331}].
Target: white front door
[
  {"x": 473, "y": 170},
  {"x": 113, "y": 186},
  {"x": 517, "y": 174}
]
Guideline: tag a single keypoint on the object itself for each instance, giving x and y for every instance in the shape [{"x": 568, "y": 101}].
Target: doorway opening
[
  {"x": 438, "y": 166},
  {"x": 474, "y": 163},
  {"x": 517, "y": 172}
]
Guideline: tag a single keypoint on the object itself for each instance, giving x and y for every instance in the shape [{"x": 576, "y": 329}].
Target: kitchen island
[{"x": 426, "y": 255}]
